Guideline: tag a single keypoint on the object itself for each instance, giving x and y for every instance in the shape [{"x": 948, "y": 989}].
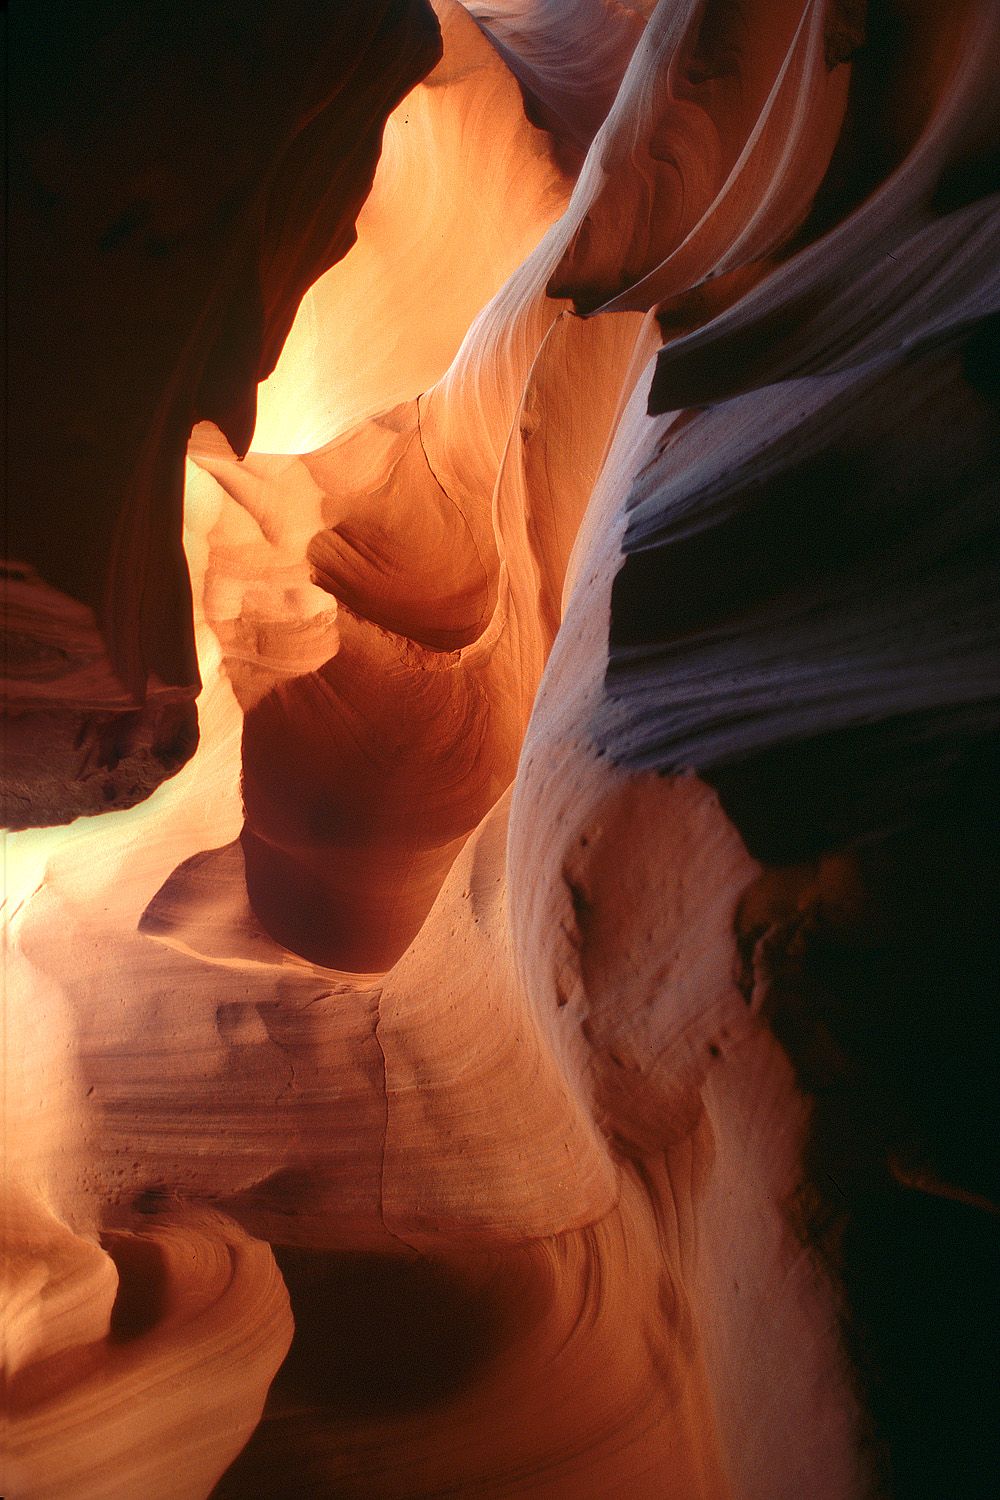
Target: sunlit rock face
[
  {"x": 178, "y": 177},
  {"x": 541, "y": 1041}
]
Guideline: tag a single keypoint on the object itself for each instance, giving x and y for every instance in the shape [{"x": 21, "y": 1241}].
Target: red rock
[
  {"x": 572, "y": 945},
  {"x": 178, "y": 178}
]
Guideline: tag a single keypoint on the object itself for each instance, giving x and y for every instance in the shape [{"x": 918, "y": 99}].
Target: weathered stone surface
[
  {"x": 572, "y": 945},
  {"x": 179, "y": 176}
]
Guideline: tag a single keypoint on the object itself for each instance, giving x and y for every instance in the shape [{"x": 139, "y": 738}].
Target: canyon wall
[{"x": 500, "y": 912}]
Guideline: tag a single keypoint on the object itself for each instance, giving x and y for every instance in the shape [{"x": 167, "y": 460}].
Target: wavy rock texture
[
  {"x": 178, "y": 177},
  {"x": 167, "y": 1385},
  {"x": 464, "y": 188},
  {"x": 571, "y": 946}
]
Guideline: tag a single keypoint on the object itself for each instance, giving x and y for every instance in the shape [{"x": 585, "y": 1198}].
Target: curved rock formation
[
  {"x": 571, "y": 945},
  {"x": 148, "y": 1362},
  {"x": 178, "y": 179},
  {"x": 464, "y": 188}
]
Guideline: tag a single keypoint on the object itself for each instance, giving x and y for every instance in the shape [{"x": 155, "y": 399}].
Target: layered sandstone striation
[
  {"x": 559, "y": 982},
  {"x": 179, "y": 176}
]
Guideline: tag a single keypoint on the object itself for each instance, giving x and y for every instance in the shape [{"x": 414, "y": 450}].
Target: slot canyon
[{"x": 500, "y": 751}]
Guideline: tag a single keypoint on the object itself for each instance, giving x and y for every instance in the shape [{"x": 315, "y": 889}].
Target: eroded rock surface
[
  {"x": 567, "y": 958},
  {"x": 179, "y": 176}
]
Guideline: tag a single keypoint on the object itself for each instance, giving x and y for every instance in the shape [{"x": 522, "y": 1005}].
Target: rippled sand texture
[{"x": 553, "y": 1003}]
